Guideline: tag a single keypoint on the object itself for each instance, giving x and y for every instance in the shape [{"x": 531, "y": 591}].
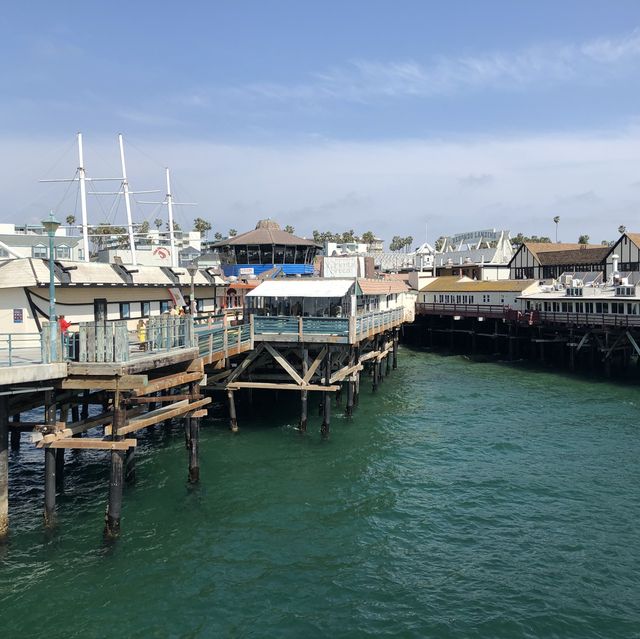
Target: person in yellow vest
[{"x": 141, "y": 329}]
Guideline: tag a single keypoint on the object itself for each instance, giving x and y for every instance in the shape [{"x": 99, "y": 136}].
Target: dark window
[
  {"x": 199, "y": 306},
  {"x": 164, "y": 306},
  {"x": 145, "y": 308},
  {"x": 125, "y": 310}
]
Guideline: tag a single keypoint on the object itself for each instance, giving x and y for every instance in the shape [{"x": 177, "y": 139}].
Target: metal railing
[
  {"x": 167, "y": 333},
  {"x": 465, "y": 310},
  {"x": 377, "y": 321},
  {"x": 20, "y": 348},
  {"x": 218, "y": 339},
  {"x": 587, "y": 319}
]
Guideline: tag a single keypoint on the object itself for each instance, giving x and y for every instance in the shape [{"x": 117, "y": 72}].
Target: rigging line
[
  {"x": 67, "y": 148},
  {"x": 149, "y": 157},
  {"x": 99, "y": 202},
  {"x": 66, "y": 192}
]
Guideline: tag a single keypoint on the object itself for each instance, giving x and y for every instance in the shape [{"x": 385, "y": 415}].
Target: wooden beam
[
  {"x": 94, "y": 444},
  {"x": 314, "y": 367},
  {"x": 160, "y": 399},
  {"x": 161, "y": 414},
  {"x": 633, "y": 342},
  {"x": 284, "y": 363},
  {"x": 585, "y": 337},
  {"x": 271, "y": 386},
  {"x": 216, "y": 377},
  {"x": 170, "y": 381},
  {"x": 345, "y": 372},
  {"x": 246, "y": 362},
  {"x": 125, "y": 382}
]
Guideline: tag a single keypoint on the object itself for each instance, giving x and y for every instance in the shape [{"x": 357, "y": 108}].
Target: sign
[
  {"x": 18, "y": 316},
  {"x": 487, "y": 234},
  {"x": 246, "y": 270},
  {"x": 177, "y": 298}
]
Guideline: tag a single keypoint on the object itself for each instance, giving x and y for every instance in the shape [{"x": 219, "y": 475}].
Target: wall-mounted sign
[{"x": 18, "y": 316}]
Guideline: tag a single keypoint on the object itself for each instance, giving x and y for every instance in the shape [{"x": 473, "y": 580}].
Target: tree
[
  {"x": 520, "y": 239},
  {"x": 622, "y": 229},
  {"x": 232, "y": 232},
  {"x": 71, "y": 220},
  {"x": 202, "y": 226},
  {"x": 396, "y": 243},
  {"x": 583, "y": 239},
  {"x": 158, "y": 223},
  {"x": 218, "y": 236},
  {"x": 106, "y": 235},
  {"x": 289, "y": 229},
  {"x": 368, "y": 237},
  {"x": 176, "y": 226},
  {"x": 556, "y": 219},
  {"x": 144, "y": 227},
  {"x": 439, "y": 243},
  {"x": 348, "y": 236}
]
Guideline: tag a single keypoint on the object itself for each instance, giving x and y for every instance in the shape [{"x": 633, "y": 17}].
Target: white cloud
[
  {"x": 544, "y": 64},
  {"x": 390, "y": 187}
]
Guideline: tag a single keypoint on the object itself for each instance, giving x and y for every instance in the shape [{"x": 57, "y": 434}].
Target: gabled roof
[
  {"x": 302, "y": 288},
  {"x": 550, "y": 254},
  {"x": 266, "y": 232}
]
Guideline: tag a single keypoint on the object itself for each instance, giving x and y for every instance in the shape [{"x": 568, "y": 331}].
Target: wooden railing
[{"x": 464, "y": 310}]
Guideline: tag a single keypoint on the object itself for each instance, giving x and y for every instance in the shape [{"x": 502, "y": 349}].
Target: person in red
[{"x": 63, "y": 324}]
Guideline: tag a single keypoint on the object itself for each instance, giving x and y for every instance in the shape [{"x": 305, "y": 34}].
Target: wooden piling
[
  {"x": 64, "y": 418},
  {"x": 194, "y": 447},
  {"x": 233, "y": 420},
  {"x": 50, "y": 465},
  {"x": 304, "y": 396},
  {"x": 130, "y": 466},
  {"x": 326, "y": 417},
  {"x": 15, "y": 435},
  {"x": 4, "y": 467},
  {"x": 395, "y": 349},
  {"x": 116, "y": 477},
  {"x": 85, "y": 405}
]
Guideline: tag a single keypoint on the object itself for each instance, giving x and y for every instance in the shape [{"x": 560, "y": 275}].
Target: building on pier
[
  {"x": 264, "y": 248},
  {"x": 91, "y": 291},
  {"x": 547, "y": 261}
]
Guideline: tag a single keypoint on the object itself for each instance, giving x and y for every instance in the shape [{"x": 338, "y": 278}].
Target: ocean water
[{"x": 462, "y": 500}]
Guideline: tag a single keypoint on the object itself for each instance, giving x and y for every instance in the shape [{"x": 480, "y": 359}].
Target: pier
[{"x": 103, "y": 387}]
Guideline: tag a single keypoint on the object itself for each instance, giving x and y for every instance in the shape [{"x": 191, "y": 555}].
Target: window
[
  {"x": 617, "y": 307},
  {"x": 81, "y": 254},
  {"x": 125, "y": 310},
  {"x": 145, "y": 308},
  {"x": 39, "y": 251},
  {"x": 4, "y": 252},
  {"x": 588, "y": 307},
  {"x": 63, "y": 252},
  {"x": 199, "y": 306},
  {"x": 164, "y": 306},
  {"x": 602, "y": 307},
  {"x": 556, "y": 307}
]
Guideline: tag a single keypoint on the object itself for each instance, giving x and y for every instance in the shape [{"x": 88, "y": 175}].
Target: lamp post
[
  {"x": 192, "y": 269},
  {"x": 51, "y": 225}
]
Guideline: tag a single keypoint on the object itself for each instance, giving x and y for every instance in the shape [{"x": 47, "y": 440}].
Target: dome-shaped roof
[{"x": 268, "y": 224}]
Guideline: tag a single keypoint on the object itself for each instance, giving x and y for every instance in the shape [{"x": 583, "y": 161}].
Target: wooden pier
[{"x": 107, "y": 387}]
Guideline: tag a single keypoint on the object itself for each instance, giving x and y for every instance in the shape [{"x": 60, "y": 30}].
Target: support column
[
  {"x": 388, "y": 360},
  {"x": 4, "y": 467},
  {"x": 85, "y": 405},
  {"x": 376, "y": 368},
  {"x": 395, "y": 349},
  {"x": 116, "y": 478},
  {"x": 326, "y": 417},
  {"x": 15, "y": 435},
  {"x": 350, "y": 384},
  {"x": 304, "y": 399},
  {"x": 356, "y": 394},
  {"x": 50, "y": 465},
  {"x": 64, "y": 418},
  {"x": 233, "y": 420},
  {"x": 194, "y": 447}
]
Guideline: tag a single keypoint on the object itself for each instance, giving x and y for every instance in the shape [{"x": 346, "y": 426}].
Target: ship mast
[
  {"x": 172, "y": 239},
  {"x": 83, "y": 200},
  {"x": 127, "y": 202}
]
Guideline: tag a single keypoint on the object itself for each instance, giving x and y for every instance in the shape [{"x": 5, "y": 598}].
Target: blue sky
[{"x": 367, "y": 115}]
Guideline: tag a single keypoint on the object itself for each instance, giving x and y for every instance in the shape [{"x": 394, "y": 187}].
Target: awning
[{"x": 302, "y": 288}]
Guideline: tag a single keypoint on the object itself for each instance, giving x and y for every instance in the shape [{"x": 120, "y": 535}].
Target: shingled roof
[
  {"x": 580, "y": 255},
  {"x": 266, "y": 232}
]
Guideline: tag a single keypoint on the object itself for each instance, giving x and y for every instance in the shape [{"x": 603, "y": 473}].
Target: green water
[{"x": 463, "y": 500}]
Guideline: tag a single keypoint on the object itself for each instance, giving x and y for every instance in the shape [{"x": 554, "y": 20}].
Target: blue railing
[{"x": 20, "y": 348}]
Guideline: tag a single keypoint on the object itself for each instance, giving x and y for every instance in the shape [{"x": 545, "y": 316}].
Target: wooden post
[
  {"x": 326, "y": 417},
  {"x": 64, "y": 418},
  {"x": 15, "y": 435},
  {"x": 304, "y": 394},
  {"x": 395, "y": 349},
  {"x": 350, "y": 384},
  {"x": 4, "y": 467},
  {"x": 356, "y": 394},
  {"x": 50, "y": 465},
  {"x": 116, "y": 478},
  {"x": 375, "y": 368},
  {"x": 85, "y": 405},
  {"x": 194, "y": 445},
  {"x": 75, "y": 413},
  {"x": 233, "y": 420}
]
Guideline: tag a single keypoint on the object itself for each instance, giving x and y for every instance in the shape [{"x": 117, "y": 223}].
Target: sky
[{"x": 405, "y": 118}]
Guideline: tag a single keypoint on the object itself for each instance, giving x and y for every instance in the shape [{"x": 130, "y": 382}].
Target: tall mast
[
  {"x": 83, "y": 200},
  {"x": 127, "y": 202},
  {"x": 172, "y": 240}
]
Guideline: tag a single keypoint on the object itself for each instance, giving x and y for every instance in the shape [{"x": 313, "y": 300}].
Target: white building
[{"x": 31, "y": 240}]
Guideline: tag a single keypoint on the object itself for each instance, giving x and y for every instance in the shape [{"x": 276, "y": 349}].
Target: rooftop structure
[{"x": 263, "y": 248}]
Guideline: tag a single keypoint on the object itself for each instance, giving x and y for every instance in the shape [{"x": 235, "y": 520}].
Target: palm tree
[
  {"x": 232, "y": 232},
  {"x": 289, "y": 229},
  {"x": 556, "y": 219}
]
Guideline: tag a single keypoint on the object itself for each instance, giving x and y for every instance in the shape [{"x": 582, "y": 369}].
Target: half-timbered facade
[
  {"x": 539, "y": 261},
  {"x": 627, "y": 248}
]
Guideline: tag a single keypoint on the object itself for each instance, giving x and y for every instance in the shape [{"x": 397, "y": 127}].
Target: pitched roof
[
  {"x": 635, "y": 238},
  {"x": 581, "y": 255},
  {"x": 453, "y": 283},
  {"x": 266, "y": 232},
  {"x": 381, "y": 287}
]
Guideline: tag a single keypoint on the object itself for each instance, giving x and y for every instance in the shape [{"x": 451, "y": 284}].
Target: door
[{"x": 100, "y": 310}]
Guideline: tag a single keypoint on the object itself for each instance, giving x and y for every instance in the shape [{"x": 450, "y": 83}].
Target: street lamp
[
  {"x": 192, "y": 269},
  {"x": 51, "y": 226}
]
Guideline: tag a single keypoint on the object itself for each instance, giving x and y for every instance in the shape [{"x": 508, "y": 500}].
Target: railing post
[{"x": 10, "y": 354}]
